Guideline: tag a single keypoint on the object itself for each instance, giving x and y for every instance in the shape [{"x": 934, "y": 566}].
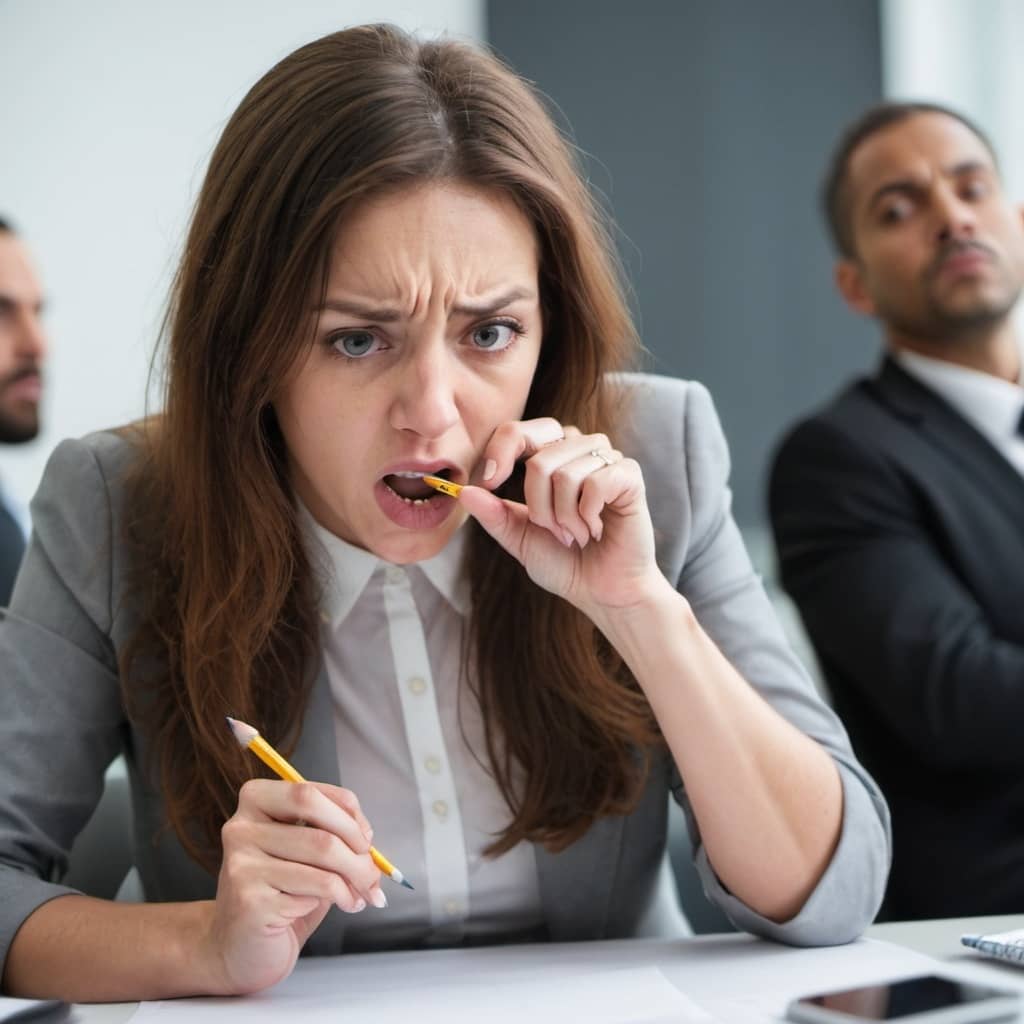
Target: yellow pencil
[
  {"x": 444, "y": 486},
  {"x": 248, "y": 737}
]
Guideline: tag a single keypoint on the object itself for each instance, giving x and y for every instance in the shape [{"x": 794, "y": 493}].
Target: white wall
[
  {"x": 966, "y": 54},
  {"x": 111, "y": 109}
]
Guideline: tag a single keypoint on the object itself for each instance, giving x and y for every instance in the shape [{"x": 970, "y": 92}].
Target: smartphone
[{"x": 925, "y": 999}]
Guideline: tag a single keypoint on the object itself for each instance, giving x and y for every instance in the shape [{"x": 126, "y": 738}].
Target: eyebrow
[
  {"x": 389, "y": 314},
  {"x": 910, "y": 185},
  {"x": 8, "y": 301}
]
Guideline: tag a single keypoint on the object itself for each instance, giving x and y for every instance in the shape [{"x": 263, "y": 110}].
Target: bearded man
[
  {"x": 22, "y": 350},
  {"x": 898, "y": 510}
]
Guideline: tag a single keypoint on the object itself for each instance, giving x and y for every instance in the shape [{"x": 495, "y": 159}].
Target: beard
[
  {"x": 19, "y": 422},
  {"x": 943, "y": 314}
]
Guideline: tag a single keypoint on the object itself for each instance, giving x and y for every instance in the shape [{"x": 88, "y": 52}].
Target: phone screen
[{"x": 902, "y": 998}]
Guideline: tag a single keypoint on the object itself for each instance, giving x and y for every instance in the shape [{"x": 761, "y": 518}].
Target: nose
[
  {"x": 27, "y": 334},
  {"x": 425, "y": 402},
  {"x": 33, "y": 338},
  {"x": 957, "y": 219}
]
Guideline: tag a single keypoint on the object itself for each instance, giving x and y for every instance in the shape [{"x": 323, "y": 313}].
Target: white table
[{"x": 939, "y": 939}]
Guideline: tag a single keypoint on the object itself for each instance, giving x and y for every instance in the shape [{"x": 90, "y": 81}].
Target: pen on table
[
  {"x": 444, "y": 486},
  {"x": 248, "y": 737}
]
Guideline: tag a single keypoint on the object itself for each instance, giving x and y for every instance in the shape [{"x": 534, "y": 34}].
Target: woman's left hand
[{"x": 585, "y": 532}]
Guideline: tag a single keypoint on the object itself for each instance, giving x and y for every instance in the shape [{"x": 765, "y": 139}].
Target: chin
[{"x": 416, "y": 546}]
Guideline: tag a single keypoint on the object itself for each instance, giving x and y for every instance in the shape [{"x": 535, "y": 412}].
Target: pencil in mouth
[{"x": 444, "y": 486}]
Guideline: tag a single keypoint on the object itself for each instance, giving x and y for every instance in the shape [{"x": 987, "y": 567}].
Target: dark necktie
[{"x": 12, "y": 547}]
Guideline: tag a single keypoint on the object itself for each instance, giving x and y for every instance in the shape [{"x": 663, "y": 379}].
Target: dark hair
[
  {"x": 834, "y": 198},
  {"x": 6, "y": 227},
  {"x": 228, "y": 598}
]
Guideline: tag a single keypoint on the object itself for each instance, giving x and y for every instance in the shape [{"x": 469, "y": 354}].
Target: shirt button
[
  {"x": 452, "y": 907},
  {"x": 417, "y": 685},
  {"x": 433, "y": 765},
  {"x": 440, "y": 808},
  {"x": 395, "y": 574}
]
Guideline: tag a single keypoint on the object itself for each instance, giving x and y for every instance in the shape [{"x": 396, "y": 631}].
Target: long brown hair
[{"x": 229, "y": 603}]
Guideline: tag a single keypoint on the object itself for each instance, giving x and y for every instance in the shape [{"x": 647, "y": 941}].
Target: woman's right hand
[{"x": 278, "y": 880}]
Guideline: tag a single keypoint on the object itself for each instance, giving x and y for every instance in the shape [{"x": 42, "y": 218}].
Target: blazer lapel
[
  {"x": 576, "y": 884},
  {"x": 316, "y": 757},
  {"x": 951, "y": 436}
]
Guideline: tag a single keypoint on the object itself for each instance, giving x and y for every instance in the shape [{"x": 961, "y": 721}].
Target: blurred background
[{"x": 703, "y": 124}]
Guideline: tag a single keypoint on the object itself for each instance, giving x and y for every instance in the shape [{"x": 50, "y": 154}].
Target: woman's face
[{"x": 427, "y": 340}]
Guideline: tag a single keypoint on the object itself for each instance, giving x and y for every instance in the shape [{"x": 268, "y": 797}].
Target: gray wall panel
[{"x": 706, "y": 124}]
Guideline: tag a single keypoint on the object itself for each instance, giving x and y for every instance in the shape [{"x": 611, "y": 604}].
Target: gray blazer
[{"x": 62, "y": 721}]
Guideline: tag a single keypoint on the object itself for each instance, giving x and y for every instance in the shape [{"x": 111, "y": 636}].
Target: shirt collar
[
  {"x": 993, "y": 405},
  {"x": 344, "y": 569}
]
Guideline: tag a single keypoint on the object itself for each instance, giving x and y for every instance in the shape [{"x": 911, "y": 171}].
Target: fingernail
[
  {"x": 567, "y": 538},
  {"x": 378, "y": 898},
  {"x": 359, "y": 905},
  {"x": 490, "y": 468},
  {"x": 368, "y": 833}
]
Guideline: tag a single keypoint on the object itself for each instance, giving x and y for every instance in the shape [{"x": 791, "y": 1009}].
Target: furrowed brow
[
  {"x": 488, "y": 306},
  {"x": 381, "y": 315}
]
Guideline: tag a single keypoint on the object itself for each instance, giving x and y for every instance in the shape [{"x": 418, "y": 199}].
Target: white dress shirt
[
  {"x": 410, "y": 746},
  {"x": 993, "y": 406}
]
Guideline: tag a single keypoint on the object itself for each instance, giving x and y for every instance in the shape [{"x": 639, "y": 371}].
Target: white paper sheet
[
  {"x": 735, "y": 979},
  {"x": 314, "y": 993}
]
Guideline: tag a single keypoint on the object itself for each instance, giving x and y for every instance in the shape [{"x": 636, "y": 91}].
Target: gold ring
[{"x": 605, "y": 457}]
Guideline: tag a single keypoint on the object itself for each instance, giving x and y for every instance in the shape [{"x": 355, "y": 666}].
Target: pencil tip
[
  {"x": 407, "y": 884},
  {"x": 242, "y": 732}
]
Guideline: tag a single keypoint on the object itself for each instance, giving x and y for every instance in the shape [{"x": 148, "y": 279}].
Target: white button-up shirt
[
  {"x": 991, "y": 405},
  {"x": 410, "y": 746}
]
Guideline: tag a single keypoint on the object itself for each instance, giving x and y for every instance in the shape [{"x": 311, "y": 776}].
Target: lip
[
  {"x": 427, "y": 515},
  {"x": 425, "y": 468},
  {"x": 26, "y": 388},
  {"x": 432, "y": 511},
  {"x": 965, "y": 262}
]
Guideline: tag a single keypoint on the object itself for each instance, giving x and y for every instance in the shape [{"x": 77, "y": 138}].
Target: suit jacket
[
  {"x": 62, "y": 721},
  {"x": 900, "y": 532}
]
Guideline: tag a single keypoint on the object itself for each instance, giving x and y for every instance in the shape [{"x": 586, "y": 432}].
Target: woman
[{"x": 394, "y": 269}]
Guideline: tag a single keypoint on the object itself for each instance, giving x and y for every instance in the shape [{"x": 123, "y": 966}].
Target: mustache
[
  {"x": 956, "y": 248},
  {"x": 28, "y": 370}
]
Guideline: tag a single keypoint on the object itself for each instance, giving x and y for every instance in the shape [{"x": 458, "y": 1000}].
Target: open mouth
[{"x": 409, "y": 486}]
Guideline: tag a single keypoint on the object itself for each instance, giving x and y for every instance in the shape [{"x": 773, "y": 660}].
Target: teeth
[
  {"x": 410, "y": 501},
  {"x": 410, "y": 475}
]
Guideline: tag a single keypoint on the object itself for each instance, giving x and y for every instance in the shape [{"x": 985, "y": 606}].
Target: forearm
[
  {"x": 88, "y": 950},
  {"x": 767, "y": 798}
]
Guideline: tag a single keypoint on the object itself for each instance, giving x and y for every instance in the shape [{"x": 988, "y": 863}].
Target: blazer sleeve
[
  {"x": 60, "y": 706},
  {"x": 884, "y": 609},
  {"x": 730, "y": 603}
]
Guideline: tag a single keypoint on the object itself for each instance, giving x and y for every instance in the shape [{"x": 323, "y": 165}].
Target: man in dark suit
[
  {"x": 22, "y": 348},
  {"x": 898, "y": 510}
]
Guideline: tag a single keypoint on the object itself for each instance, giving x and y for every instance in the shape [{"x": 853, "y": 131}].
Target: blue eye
[
  {"x": 493, "y": 337},
  {"x": 354, "y": 344}
]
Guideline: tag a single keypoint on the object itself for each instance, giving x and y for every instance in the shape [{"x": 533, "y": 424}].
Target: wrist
[
  {"x": 656, "y": 607},
  {"x": 199, "y": 950}
]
